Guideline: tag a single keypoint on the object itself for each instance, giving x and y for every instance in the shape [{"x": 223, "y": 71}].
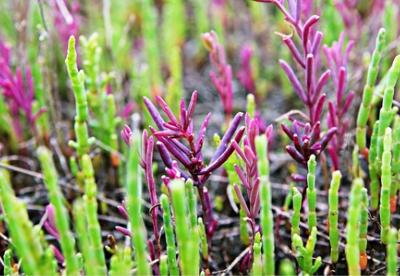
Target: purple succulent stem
[
  {"x": 293, "y": 49},
  {"x": 122, "y": 211},
  {"x": 228, "y": 136},
  {"x": 211, "y": 223},
  {"x": 154, "y": 113},
  {"x": 148, "y": 149},
  {"x": 57, "y": 254},
  {"x": 242, "y": 200},
  {"x": 245, "y": 74},
  {"x": 50, "y": 223},
  {"x": 124, "y": 231},
  {"x": 337, "y": 57}
]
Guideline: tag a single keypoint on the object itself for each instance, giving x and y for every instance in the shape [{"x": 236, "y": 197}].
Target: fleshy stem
[
  {"x": 134, "y": 206},
  {"x": 333, "y": 215},
  {"x": 267, "y": 220},
  {"x": 386, "y": 179},
  {"x": 93, "y": 226},
  {"x": 8, "y": 269},
  {"x": 305, "y": 253},
  {"x": 163, "y": 265},
  {"x": 257, "y": 258},
  {"x": 203, "y": 240},
  {"x": 353, "y": 230},
  {"x": 386, "y": 113},
  {"x": 391, "y": 253},
  {"x": 395, "y": 165},
  {"x": 187, "y": 237},
  {"x": 82, "y": 144},
  {"x": 23, "y": 235},
  {"x": 83, "y": 237},
  {"x": 61, "y": 217},
  {"x": 364, "y": 229},
  {"x": 311, "y": 193},
  {"x": 121, "y": 262},
  {"x": 286, "y": 268},
  {"x": 372, "y": 166},
  {"x": 373, "y": 70},
  {"x": 297, "y": 200},
  {"x": 169, "y": 236}
]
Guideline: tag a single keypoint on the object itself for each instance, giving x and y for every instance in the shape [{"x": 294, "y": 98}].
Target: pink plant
[
  {"x": 245, "y": 74},
  {"x": 221, "y": 76},
  {"x": 249, "y": 174},
  {"x": 177, "y": 138},
  {"x": 18, "y": 90},
  {"x": 50, "y": 226},
  {"x": 306, "y": 136},
  {"x": 337, "y": 57},
  {"x": 66, "y": 20}
]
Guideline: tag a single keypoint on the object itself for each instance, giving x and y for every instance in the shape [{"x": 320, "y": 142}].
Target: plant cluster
[{"x": 260, "y": 185}]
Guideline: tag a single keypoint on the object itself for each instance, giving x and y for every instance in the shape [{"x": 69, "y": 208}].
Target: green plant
[
  {"x": 353, "y": 228},
  {"x": 134, "y": 206},
  {"x": 334, "y": 215},
  {"x": 187, "y": 237},
  {"x": 311, "y": 193},
  {"x": 372, "y": 75},
  {"x": 267, "y": 222},
  {"x": 56, "y": 197},
  {"x": 384, "y": 209},
  {"x": 304, "y": 254}
]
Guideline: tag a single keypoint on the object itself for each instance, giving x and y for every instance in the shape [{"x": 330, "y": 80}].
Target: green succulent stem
[
  {"x": 266, "y": 219},
  {"x": 353, "y": 229},
  {"x": 134, "y": 206},
  {"x": 311, "y": 193},
  {"x": 391, "y": 253},
  {"x": 187, "y": 237},
  {"x": 373, "y": 70},
  {"x": 334, "y": 215},
  {"x": 67, "y": 240},
  {"x": 169, "y": 236},
  {"x": 386, "y": 179}
]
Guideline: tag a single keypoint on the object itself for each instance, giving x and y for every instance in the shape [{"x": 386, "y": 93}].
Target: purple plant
[
  {"x": 147, "y": 165},
  {"x": 249, "y": 174},
  {"x": 66, "y": 20},
  {"x": 351, "y": 18},
  {"x": 337, "y": 57},
  {"x": 176, "y": 138},
  {"x": 126, "y": 134},
  {"x": 50, "y": 226},
  {"x": 245, "y": 74},
  {"x": 5, "y": 52},
  {"x": 306, "y": 136},
  {"x": 18, "y": 90},
  {"x": 307, "y": 140},
  {"x": 221, "y": 76},
  {"x": 124, "y": 213}
]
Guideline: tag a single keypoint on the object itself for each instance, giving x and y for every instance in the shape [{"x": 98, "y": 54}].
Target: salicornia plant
[
  {"x": 305, "y": 134},
  {"x": 134, "y": 192},
  {"x": 187, "y": 235},
  {"x": 384, "y": 209},
  {"x": 334, "y": 215},
  {"x": 337, "y": 57},
  {"x": 221, "y": 76},
  {"x": 365, "y": 107},
  {"x": 61, "y": 217},
  {"x": 267, "y": 222},
  {"x": 311, "y": 193},
  {"x": 305, "y": 253},
  {"x": 353, "y": 228},
  {"x": 176, "y": 137}
]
